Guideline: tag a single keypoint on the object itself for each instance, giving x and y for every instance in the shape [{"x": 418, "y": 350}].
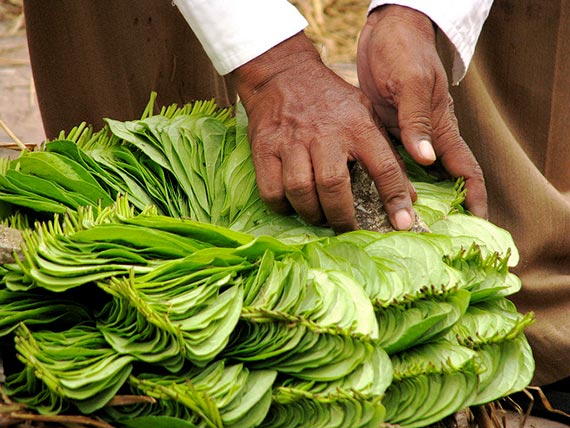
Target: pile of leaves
[{"x": 151, "y": 269}]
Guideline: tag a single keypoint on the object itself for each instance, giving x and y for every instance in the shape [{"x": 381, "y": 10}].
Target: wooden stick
[
  {"x": 124, "y": 400},
  {"x": 61, "y": 419},
  {"x": 11, "y": 145},
  {"x": 12, "y": 135}
]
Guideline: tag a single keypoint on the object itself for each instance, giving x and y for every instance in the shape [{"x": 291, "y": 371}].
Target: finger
[
  {"x": 269, "y": 177},
  {"x": 382, "y": 166},
  {"x": 332, "y": 178},
  {"x": 411, "y": 189},
  {"x": 413, "y": 100},
  {"x": 386, "y": 134},
  {"x": 299, "y": 183},
  {"x": 459, "y": 161}
]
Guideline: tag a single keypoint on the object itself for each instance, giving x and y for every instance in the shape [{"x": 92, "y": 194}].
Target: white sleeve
[
  {"x": 234, "y": 32},
  {"x": 461, "y": 21}
]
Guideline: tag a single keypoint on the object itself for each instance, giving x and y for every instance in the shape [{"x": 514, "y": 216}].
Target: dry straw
[{"x": 334, "y": 26}]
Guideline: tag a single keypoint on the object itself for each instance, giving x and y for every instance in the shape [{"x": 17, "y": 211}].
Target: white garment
[{"x": 234, "y": 32}]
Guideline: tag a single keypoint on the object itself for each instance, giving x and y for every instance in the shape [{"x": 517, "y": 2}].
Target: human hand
[
  {"x": 399, "y": 69},
  {"x": 305, "y": 125}
]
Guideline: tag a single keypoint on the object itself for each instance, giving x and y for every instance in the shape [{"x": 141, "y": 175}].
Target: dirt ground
[{"x": 18, "y": 105}]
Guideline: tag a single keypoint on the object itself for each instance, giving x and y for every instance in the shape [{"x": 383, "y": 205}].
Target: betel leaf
[
  {"x": 321, "y": 412},
  {"x": 38, "y": 309},
  {"x": 416, "y": 259},
  {"x": 351, "y": 258},
  {"x": 431, "y": 381},
  {"x": 486, "y": 277},
  {"x": 71, "y": 150},
  {"x": 467, "y": 229},
  {"x": 63, "y": 171},
  {"x": 437, "y": 201},
  {"x": 428, "y": 398},
  {"x": 76, "y": 364},
  {"x": 221, "y": 394},
  {"x": 404, "y": 326},
  {"x": 490, "y": 321},
  {"x": 439, "y": 356},
  {"x": 509, "y": 367},
  {"x": 209, "y": 233},
  {"x": 124, "y": 130},
  {"x": 47, "y": 188}
]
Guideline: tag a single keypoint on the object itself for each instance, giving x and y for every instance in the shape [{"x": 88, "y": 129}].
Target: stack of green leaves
[
  {"x": 153, "y": 268},
  {"x": 77, "y": 364}
]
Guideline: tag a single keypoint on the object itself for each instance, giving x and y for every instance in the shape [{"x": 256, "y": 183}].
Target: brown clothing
[
  {"x": 102, "y": 59},
  {"x": 514, "y": 111},
  {"x": 97, "y": 59}
]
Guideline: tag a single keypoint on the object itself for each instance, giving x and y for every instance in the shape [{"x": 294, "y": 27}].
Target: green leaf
[{"x": 466, "y": 230}]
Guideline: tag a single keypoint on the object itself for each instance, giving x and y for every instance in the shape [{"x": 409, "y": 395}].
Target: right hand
[{"x": 305, "y": 125}]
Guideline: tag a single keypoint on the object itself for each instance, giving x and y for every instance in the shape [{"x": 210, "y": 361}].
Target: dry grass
[
  {"x": 334, "y": 26},
  {"x": 12, "y": 16}
]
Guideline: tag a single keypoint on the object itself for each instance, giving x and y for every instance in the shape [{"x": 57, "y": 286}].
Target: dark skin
[
  {"x": 411, "y": 96},
  {"x": 306, "y": 124}
]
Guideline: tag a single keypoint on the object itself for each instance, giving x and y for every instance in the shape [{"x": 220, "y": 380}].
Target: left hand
[{"x": 399, "y": 69}]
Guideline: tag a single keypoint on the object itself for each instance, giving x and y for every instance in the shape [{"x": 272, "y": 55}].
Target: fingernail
[
  {"x": 426, "y": 150},
  {"x": 403, "y": 220}
]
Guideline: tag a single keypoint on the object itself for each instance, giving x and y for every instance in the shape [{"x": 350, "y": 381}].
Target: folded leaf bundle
[
  {"x": 76, "y": 364},
  {"x": 164, "y": 275},
  {"x": 431, "y": 381}
]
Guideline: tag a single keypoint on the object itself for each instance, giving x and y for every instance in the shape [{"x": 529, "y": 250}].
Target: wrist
[
  {"x": 395, "y": 14},
  {"x": 252, "y": 76}
]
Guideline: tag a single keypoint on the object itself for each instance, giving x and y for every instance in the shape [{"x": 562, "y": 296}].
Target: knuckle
[
  {"x": 271, "y": 196},
  {"x": 390, "y": 183},
  {"x": 396, "y": 200},
  {"x": 389, "y": 176},
  {"x": 333, "y": 183},
  {"x": 416, "y": 119},
  {"x": 413, "y": 75},
  {"x": 261, "y": 154},
  {"x": 448, "y": 136},
  {"x": 419, "y": 75},
  {"x": 446, "y": 121},
  {"x": 299, "y": 188},
  {"x": 449, "y": 130},
  {"x": 393, "y": 89}
]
